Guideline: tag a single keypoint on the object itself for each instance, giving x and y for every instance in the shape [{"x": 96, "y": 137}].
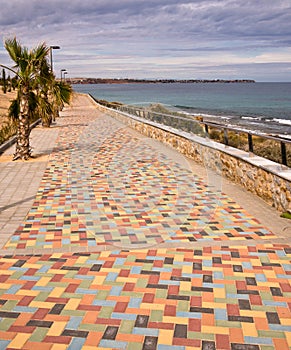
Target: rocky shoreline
[{"x": 155, "y": 81}]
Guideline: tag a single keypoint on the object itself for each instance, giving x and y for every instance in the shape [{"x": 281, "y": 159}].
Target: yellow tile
[
  {"x": 126, "y": 279},
  {"x": 267, "y": 284},
  {"x": 171, "y": 319},
  {"x": 57, "y": 292},
  {"x": 270, "y": 274},
  {"x": 288, "y": 338},
  {"x": 249, "y": 329},
  {"x": 219, "y": 293},
  {"x": 57, "y": 328},
  {"x": 187, "y": 269},
  {"x": 98, "y": 280},
  {"x": 7, "y": 272},
  {"x": 213, "y": 305},
  {"x": 57, "y": 272},
  {"x": 185, "y": 286},
  {"x": 179, "y": 258},
  {"x": 29, "y": 293},
  {"x": 59, "y": 347},
  {"x": 43, "y": 281},
  {"x": 72, "y": 304},
  {"x": 214, "y": 330},
  {"x": 285, "y": 321},
  {"x": 19, "y": 340},
  {"x": 253, "y": 313},
  {"x": 166, "y": 336},
  {"x": 151, "y": 306},
  {"x": 42, "y": 304}
]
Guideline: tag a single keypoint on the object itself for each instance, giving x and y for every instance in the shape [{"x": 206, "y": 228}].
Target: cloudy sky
[{"x": 180, "y": 39}]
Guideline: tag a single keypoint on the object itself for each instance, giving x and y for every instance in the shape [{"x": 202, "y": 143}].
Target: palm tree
[{"x": 34, "y": 87}]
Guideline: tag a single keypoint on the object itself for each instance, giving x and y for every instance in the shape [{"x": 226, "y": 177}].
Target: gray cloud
[{"x": 152, "y": 37}]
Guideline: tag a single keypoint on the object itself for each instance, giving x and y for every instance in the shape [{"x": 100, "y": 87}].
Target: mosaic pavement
[
  {"x": 104, "y": 186},
  {"x": 211, "y": 298},
  {"x": 106, "y": 189}
]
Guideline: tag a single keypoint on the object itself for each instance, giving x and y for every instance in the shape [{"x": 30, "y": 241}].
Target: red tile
[
  {"x": 161, "y": 325},
  {"x": 194, "y": 325},
  {"x": 148, "y": 298},
  {"x": 232, "y": 310},
  {"x": 170, "y": 310},
  {"x": 40, "y": 314},
  {"x": 120, "y": 307},
  {"x": 255, "y": 299},
  {"x": 222, "y": 342},
  {"x": 57, "y": 340}
]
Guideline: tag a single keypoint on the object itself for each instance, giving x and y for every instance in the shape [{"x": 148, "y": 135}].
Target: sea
[{"x": 262, "y": 108}]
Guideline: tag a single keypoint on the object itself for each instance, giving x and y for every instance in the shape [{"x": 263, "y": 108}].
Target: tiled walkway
[{"x": 125, "y": 247}]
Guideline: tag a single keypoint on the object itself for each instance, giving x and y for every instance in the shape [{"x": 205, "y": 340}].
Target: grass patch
[{"x": 286, "y": 215}]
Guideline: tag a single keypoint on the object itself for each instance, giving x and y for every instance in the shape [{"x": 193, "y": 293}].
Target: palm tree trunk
[{"x": 23, "y": 150}]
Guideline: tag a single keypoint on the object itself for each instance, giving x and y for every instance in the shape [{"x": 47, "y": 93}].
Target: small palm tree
[{"x": 34, "y": 87}]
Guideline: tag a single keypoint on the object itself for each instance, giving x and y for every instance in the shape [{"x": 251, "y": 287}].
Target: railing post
[
  {"x": 225, "y": 136},
  {"x": 283, "y": 153},
  {"x": 251, "y": 146},
  {"x": 206, "y": 129}
]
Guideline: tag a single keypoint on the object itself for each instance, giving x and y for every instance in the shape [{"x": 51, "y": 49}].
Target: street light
[
  {"x": 63, "y": 70},
  {"x": 65, "y": 76},
  {"x": 53, "y": 47}
]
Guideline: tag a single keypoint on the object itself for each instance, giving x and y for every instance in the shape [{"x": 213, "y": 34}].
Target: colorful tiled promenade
[{"x": 112, "y": 240}]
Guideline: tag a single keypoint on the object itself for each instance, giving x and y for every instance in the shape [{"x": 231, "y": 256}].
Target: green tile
[
  {"x": 42, "y": 296},
  {"x": 134, "y": 346},
  {"x": 266, "y": 295},
  {"x": 204, "y": 336},
  {"x": 228, "y": 324},
  {"x": 9, "y": 305},
  {"x": 92, "y": 327},
  {"x": 102, "y": 295},
  {"x": 183, "y": 305},
  {"x": 141, "y": 283},
  {"x": 85, "y": 284},
  {"x": 161, "y": 293},
  {"x": 73, "y": 313},
  {"x": 266, "y": 347},
  {"x": 16, "y": 275},
  {"x": 230, "y": 288},
  {"x": 126, "y": 327},
  {"x": 38, "y": 334},
  {"x": 6, "y": 323},
  {"x": 106, "y": 312},
  {"x": 271, "y": 334},
  {"x": 156, "y": 316}
]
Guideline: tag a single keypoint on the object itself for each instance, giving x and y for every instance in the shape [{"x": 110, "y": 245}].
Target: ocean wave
[{"x": 282, "y": 121}]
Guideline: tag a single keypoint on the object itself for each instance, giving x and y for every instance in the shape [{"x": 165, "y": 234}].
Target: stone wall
[{"x": 268, "y": 180}]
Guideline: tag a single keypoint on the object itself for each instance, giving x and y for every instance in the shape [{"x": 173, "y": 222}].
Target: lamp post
[
  {"x": 65, "y": 76},
  {"x": 62, "y": 70},
  {"x": 53, "y": 47}
]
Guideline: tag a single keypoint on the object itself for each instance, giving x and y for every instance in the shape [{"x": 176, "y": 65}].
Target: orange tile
[
  {"x": 22, "y": 319},
  {"x": 33, "y": 345},
  {"x": 90, "y": 317},
  {"x": 134, "y": 338},
  {"x": 281, "y": 344},
  {"x": 283, "y": 312},
  {"x": 261, "y": 323},
  {"x": 93, "y": 338},
  {"x": 236, "y": 335},
  {"x": 208, "y": 320}
]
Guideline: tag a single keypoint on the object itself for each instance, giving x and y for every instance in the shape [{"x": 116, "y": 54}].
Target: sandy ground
[{"x": 5, "y": 100}]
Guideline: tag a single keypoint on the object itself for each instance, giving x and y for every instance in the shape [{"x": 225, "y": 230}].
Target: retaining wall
[{"x": 269, "y": 180}]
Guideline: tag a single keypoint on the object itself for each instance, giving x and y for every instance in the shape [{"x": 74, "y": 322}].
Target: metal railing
[{"x": 200, "y": 127}]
